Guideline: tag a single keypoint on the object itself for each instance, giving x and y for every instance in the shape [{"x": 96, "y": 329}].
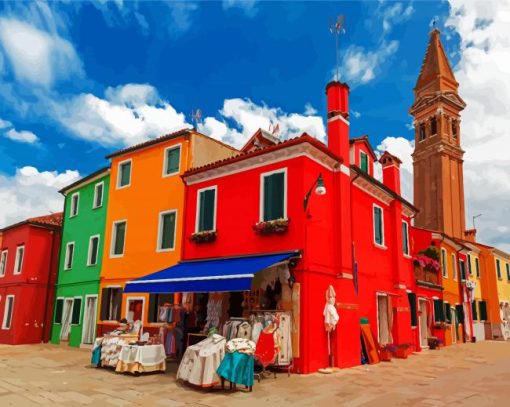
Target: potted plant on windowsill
[
  {"x": 386, "y": 351},
  {"x": 204, "y": 236},
  {"x": 276, "y": 226}
]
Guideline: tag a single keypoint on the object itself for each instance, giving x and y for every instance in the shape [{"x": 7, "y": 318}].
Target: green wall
[{"x": 81, "y": 279}]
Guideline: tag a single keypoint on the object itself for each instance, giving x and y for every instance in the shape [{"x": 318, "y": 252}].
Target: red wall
[{"x": 34, "y": 287}]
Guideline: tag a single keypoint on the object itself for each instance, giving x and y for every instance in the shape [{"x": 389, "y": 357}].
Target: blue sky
[
  {"x": 79, "y": 80},
  {"x": 276, "y": 53}
]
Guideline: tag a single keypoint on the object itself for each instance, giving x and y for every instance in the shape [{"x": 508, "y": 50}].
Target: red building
[{"x": 28, "y": 269}]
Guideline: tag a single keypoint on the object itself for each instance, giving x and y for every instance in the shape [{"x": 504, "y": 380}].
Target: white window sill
[{"x": 382, "y": 247}]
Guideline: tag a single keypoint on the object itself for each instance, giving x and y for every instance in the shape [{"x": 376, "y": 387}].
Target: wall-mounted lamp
[{"x": 320, "y": 189}]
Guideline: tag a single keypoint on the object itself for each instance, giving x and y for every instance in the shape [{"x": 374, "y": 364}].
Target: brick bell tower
[{"x": 437, "y": 157}]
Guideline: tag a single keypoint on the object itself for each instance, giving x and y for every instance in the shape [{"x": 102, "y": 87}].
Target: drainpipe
[{"x": 352, "y": 237}]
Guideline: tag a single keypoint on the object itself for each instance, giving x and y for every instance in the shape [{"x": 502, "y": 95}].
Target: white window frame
[
  {"x": 108, "y": 300},
  {"x": 90, "y": 250},
  {"x": 160, "y": 231},
  {"x": 72, "y": 310},
  {"x": 4, "y": 266},
  {"x": 368, "y": 160},
  {"x": 454, "y": 265},
  {"x": 66, "y": 256},
  {"x": 85, "y": 316},
  {"x": 165, "y": 159},
  {"x": 114, "y": 236},
  {"x": 119, "y": 174},
  {"x": 94, "y": 206},
  {"x": 4, "y": 326},
  {"x": 261, "y": 190},
  {"x": 377, "y": 295},
  {"x": 408, "y": 254},
  {"x": 71, "y": 214},
  {"x": 128, "y": 299},
  {"x": 383, "y": 245},
  {"x": 18, "y": 264},
  {"x": 444, "y": 262},
  {"x": 197, "y": 214}
]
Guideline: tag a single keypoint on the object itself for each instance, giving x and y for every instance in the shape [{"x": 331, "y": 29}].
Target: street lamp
[{"x": 320, "y": 189}]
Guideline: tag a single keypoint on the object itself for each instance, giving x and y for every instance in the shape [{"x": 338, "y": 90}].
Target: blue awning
[{"x": 213, "y": 275}]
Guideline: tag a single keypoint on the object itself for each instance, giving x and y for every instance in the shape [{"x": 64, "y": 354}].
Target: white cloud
[
  {"x": 310, "y": 110},
  {"x": 393, "y": 14},
  {"x": 31, "y": 192},
  {"x": 247, "y": 6},
  {"x": 361, "y": 65},
  {"x": 247, "y": 117},
  {"x": 23, "y": 136},
  {"x": 127, "y": 115},
  {"x": 402, "y": 148},
  {"x": 37, "y": 57},
  {"x": 356, "y": 114},
  {"x": 4, "y": 124},
  {"x": 483, "y": 73}
]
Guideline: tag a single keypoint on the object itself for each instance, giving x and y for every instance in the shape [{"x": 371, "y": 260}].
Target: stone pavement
[{"x": 468, "y": 375}]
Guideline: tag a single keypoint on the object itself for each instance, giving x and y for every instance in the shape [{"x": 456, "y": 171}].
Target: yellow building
[{"x": 502, "y": 268}]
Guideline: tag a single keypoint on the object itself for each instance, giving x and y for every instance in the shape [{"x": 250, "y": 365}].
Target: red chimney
[
  {"x": 391, "y": 171},
  {"x": 338, "y": 119}
]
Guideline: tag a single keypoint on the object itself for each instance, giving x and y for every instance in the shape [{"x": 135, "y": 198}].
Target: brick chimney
[
  {"x": 338, "y": 119},
  {"x": 391, "y": 171}
]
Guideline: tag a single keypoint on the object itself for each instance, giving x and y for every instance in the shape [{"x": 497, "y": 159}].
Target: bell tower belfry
[{"x": 437, "y": 157}]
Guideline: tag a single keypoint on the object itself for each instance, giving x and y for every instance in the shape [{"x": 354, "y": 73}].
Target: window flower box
[
  {"x": 277, "y": 226},
  {"x": 204, "y": 236}
]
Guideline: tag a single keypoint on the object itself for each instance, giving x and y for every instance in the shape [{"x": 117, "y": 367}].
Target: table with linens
[{"x": 141, "y": 359}]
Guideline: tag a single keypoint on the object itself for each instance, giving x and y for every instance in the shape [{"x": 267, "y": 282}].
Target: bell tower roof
[{"x": 436, "y": 75}]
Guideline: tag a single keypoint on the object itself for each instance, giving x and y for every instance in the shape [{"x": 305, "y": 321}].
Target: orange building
[{"x": 144, "y": 219}]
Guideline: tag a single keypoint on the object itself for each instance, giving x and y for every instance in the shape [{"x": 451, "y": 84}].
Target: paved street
[{"x": 467, "y": 375}]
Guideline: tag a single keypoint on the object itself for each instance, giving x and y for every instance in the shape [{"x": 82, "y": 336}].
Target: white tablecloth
[
  {"x": 147, "y": 358},
  {"x": 200, "y": 361}
]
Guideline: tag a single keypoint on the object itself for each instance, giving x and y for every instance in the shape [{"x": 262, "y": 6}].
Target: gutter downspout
[{"x": 353, "y": 246}]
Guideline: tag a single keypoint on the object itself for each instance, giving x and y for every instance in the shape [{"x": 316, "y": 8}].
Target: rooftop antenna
[
  {"x": 196, "y": 117},
  {"x": 337, "y": 28},
  {"x": 474, "y": 218}
]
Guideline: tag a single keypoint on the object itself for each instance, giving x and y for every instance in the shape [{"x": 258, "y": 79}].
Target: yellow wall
[{"x": 503, "y": 283}]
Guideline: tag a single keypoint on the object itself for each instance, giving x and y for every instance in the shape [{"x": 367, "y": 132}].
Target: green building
[{"x": 81, "y": 253}]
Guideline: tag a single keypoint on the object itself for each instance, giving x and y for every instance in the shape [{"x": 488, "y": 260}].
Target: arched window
[
  {"x": 433, "y": 126},
  {"x": 422, "y": 132},
  {"x": 454, "y": 128}
]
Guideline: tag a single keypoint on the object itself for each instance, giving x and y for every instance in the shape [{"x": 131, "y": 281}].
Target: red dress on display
[{"x": 265, "y": 352}]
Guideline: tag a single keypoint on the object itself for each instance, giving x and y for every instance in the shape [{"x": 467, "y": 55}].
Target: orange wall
[
  {"x": 488, "y": 284},
  {"x": 140, "y": 204}
]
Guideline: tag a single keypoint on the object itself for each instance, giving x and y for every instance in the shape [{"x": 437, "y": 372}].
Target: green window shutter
[
  {"x": 508, "y": 272},
  {"x": 99, "y": 195},
  {"x": 363, "y": 161},
  {"x": 59, "y": 306},
  {"x": 470, "y": 270},
  {"x": 75, "y": 319},
  {"x": 94, "y": 250},
  {"x": 477, "y": 264},
  {"x": 498, "y": 268},
  {"x": 459, "y": 314},
  {"x": 120, "y": 235},
  {"x": 438, "y": 311},
  {"x": 462, "y": 266},
  {"x": 125, "y": 173},
  {"x": 412, "y": 306},
  {"x": 378, "y": 232},
  {"x": 206, "y": 213},
  {"x": 173, "y": 158},
  {"x": 168, "y": 232},
  {"x": 483, "y": 310},
  {"x": 405, "y": 238},
  {"x": 274, "y": 190},
  {"x": 474, "y": 310}
]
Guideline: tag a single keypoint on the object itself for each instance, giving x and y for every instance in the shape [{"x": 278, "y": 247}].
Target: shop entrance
[
  {"x": 383, "y": 317},
  {"x": 134, "y": 309},
  {"x": 89, "y": 320},
  {"x": 66, "y": 319},
  {"x": 423, "y": 323}
]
